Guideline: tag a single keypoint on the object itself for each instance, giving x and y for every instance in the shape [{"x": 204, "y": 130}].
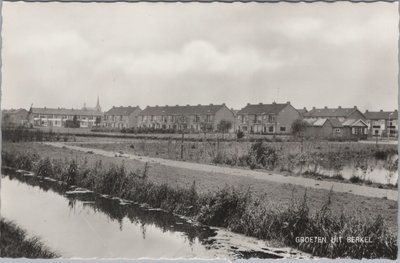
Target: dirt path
[{"x": 294, "y": 180}]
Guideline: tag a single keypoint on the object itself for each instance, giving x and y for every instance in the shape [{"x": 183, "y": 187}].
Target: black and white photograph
[{"x": 199, "y": 130}]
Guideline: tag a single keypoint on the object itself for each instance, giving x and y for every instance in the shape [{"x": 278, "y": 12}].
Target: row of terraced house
[{"x": 261, "y": 118}]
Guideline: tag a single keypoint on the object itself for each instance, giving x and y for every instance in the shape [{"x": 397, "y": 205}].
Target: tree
[
  {"x": 299, "y": 128},
  {"x": 205, "y": 127},
  {"x": 224, "y": 126}
]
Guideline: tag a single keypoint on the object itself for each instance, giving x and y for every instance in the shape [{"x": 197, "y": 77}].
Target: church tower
[{"x": 98, "y": 107}]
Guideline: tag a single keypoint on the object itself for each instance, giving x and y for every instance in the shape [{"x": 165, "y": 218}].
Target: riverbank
[
  {"x": 348, "y": 162},
  {"x": 14, "y": 243},
  {"x": 255, "y": 213}
]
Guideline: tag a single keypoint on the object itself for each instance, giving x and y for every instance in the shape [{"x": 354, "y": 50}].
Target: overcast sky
[{"x": 320, "y": 54}]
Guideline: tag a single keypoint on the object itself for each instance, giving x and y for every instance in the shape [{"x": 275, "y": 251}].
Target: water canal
[{"x": 78, "y": 223}]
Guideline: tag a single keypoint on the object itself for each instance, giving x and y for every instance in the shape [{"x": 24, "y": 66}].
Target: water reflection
[
  {"x": 91, "y": 225},
  {"x": 371, "y": 169}
]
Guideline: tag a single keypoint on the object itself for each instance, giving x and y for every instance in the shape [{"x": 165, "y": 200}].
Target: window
[
  {"x": 283, "y": 129},
  {"x": 337, "y": 130},
  {"x": 271, "y": 129},
  {"x": 271, "y": 118}
]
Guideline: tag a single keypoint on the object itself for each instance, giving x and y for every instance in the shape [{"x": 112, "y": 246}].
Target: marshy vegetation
[
  {"x": 239, "y": 211},
  {"x": 339, "y": 161},
  {"x": 14, "y": 243}
]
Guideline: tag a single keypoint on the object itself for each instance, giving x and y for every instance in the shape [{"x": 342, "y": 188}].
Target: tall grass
[
  {"x": 231, "y": 208},
  {"x": 14, "y": 243}
]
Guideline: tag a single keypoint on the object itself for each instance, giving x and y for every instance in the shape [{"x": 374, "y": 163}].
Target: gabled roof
[
  {"x": 273, "y": 108},
  {"x": 381, "y": 115},
  {"x": 335, "y": 123},
  {"x": 329, "y": 112},
  {"x": 62, "y": 111},
  {"x": 15, "y": 111},
  {"x": 354, "y": 123},
  {"x": 181, "y": 110},
  {"x": 321, "y": 122},
  {"x": 122, "y": 111}
]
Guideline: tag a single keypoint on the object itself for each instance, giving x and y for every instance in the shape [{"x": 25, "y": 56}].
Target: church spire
[{"x": 98, "y": 107}]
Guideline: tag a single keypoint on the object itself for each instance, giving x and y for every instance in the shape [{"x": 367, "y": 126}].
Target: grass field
[
  {"x": 14, "y": 243},
  {"x": 309, "y": 159}
]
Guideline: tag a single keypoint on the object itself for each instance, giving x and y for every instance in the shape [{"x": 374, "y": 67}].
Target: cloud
[{"x": 328, "y": 54}]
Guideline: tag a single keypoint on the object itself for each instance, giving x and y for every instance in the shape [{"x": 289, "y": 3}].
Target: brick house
[
  {"x": 14, "y": 117},
  {"x": 382, "y": 123},
  {"x": 336, "y": 122},
  {"x": 324, "y": 128},
  {"x": 193, "y": 118},
  {"x": 333, "y": 128},
  {"x": 339, "y": 113},
  {"x": 58, "y": 117},
  {"x": 274, "y": 118},
  {"x": 121, "y": 117}
]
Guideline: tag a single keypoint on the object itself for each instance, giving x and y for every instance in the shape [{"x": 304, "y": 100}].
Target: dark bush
[
  {"x": 355, "y": 179},
  {"x": 262, "y": 156},
  {"x": 240, "y": 134}
]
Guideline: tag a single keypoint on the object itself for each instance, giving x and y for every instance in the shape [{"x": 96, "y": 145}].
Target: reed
[
  {"x": 14, "y": 243},
  {"x": 231, "y": 208}
]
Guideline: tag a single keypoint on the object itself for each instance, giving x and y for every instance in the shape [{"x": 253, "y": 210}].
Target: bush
[
  {"x": 355, "y": 179},
  {"x": 44, "y": 168},
  {"x": 381, "y": 154},
  {"x": 262, "y": 156},
  {"x": 240, "y": 134}
]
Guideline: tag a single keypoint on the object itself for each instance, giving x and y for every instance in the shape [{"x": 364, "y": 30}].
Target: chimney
[
  {"x": 313, "y": 108},
  {"x": 355, "y": 107},
  {"x": 325, "y": 107},
  {"x": 187, "y": 105},
  {"x": 260, "y": 103},
  {"x": 198, "y": 104},
  {"x": 274, "y": 102},
  {"x": 340, "y": 107},
  {"x": 156, "y": 105},
  {"x": 381, "y": 110},
  {"x": 288, "y": 102},
  {"x": 366, "y": 111},
  {"x": 177, "y": 105},
  {"x": 211, "y": 104},
  {"x": 223, "y": 104},
  {"x": 305, "y": 108},
  {"x": 166, "y": 105},
  {"x": 248, "y": 104}
]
